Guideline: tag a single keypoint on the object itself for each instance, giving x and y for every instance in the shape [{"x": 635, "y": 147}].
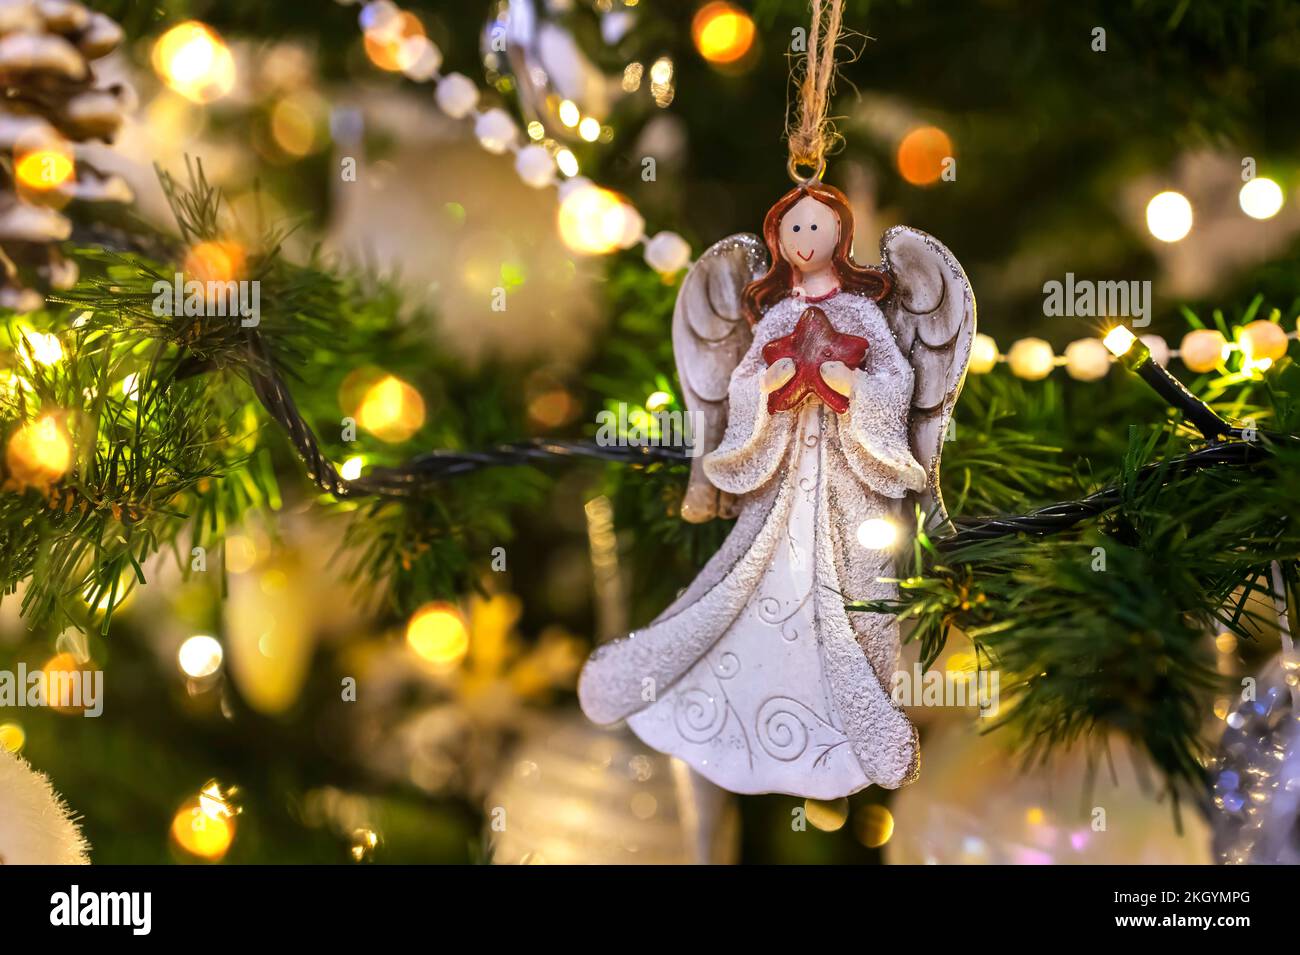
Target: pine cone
[{"x": 51, "y": 102}]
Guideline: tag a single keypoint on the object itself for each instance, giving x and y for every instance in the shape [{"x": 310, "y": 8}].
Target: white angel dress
[{"x": 757, "y": 677}]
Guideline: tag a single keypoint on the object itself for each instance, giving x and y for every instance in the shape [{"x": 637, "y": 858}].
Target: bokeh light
[
  {"x": 873, "y": 825},
  {"x": 394, "y": 45},
  {"x": 1169, "y": 216},
  {"x": 215, "y": 261},
  {"x": 194, "y": 61},
  {"x": 437, "y": 634},
  {"x": 45, "y": 166},
  {"x": 827, "y": 815},
  {"x": 594, "y": 221},
  {"x": 200, "y": 656},
  {"x": 723, "y": 33},
  {"x": 921, "y": 155},
  {"x": 877, "y": 533},
  {"x": 1031, "y": 359},
  {"x": 1261, "y": 198},
  {"x": 983, "y": 354},
  {"x": 38, "y": 453},
  {"x": 391, "y": 410},
  {"x": 12, "y": 737},
  {"x": 203, "y": 835},
  {"x": 41, "y": 348}
]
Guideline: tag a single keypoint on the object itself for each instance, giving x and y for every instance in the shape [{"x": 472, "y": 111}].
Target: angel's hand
[
  {"x": 838, "y": 375},
  {"x": 776, "y": 375},
  {"x": 907, "y": 468}
]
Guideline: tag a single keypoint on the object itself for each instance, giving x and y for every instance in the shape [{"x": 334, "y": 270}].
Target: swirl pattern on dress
[
  {"x": 780, "y": 728},
  {"x": 726, "y": 666},
  {"x": 698, "y": 716}
]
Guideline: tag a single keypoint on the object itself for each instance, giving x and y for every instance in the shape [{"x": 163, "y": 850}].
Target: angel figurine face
[
  {"x": 809, "y": 238},
  {"x": 821, "y": 391},
  {"x": 808, "y": 234}
]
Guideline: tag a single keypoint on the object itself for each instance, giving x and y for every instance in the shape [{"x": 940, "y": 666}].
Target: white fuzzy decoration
[{"x": 36, "y": 826}]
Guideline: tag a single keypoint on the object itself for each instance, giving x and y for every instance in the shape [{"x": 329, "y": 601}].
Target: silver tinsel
[{"x": 1256, "y": 775}]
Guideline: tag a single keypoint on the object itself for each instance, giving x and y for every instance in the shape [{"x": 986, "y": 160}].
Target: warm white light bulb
[
  {"x": 877, "y": 533},
  {"x": 1260, "y": 198},
  {"x": 1119, "y": 340},
  {"x": 1169, "y": 216},
  {"x": 200, "y": 656}
]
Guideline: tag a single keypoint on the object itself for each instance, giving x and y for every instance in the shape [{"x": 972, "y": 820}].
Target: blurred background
[{"x": 1030, "y": 143}]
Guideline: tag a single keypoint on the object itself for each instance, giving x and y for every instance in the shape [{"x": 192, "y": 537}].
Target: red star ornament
[{"x": 813, "y": 342}]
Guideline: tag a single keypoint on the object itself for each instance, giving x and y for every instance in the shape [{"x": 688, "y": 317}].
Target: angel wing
[
  {"x": 932, "y": 315},
  {"x": 710, "y": 336}
]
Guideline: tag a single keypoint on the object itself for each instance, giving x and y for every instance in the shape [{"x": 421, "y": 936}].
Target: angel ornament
[{"x": 821, "y": 391}]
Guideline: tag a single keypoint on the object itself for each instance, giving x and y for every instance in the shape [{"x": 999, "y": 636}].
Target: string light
[
  {"x": 194, "y": 61},
  {"x": 1136, "y": 357},
  {"x": 391, "y": 410},
  {"x": 1169, "y": 216},
  {"x": 593, "y": 221},
  {"x": 215, "y": 261},
  {"x": 12, "y": 737},
  {"x": 567, "y": 162},
  {"x": 1261, "y": 198},
  {"x": 45, "y": 166},
  {"x": 922, "y": 153},
  {"x": 40, "y": 348},
  {"x": 200, "y": 657},
  {"x": 877, "y": 533},
  {"x": 350, "y": 470},
  {"x": 723, "y": 33},
  {"x": 203, "y": 826},
  {"x": 662, "y": 87},
  {"x": 437, "y": 634},
  {"x": 39, "y": 453}
]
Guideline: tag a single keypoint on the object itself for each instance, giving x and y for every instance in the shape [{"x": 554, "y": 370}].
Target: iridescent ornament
[
  {"x": 977, "y": 804},
  {"x": 572, "y": 793},
  {"x": 1256, "y": 774}
]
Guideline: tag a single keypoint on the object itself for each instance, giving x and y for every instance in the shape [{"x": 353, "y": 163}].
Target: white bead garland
[
  {"x": 535, "y": 166},
  {"x": 1202, "y": 349},
  {"x": 421, "y": 57},
  {"x": 983, "y": 354},
  {"x": 1263, "y": 339},
  {"x": 1031, "y": 358},
  {"x": 1087, "y": 360},
  {"x": 633, "y": 227},
  {"x": 1158, "y": 347},
  {"x": 495, "y": 130},
  {"x": 456, "y": 95},
  {"x": 667, "y": 253}
]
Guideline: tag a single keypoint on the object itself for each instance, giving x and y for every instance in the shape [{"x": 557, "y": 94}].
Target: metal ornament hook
[{"x": 793, "y": 167}]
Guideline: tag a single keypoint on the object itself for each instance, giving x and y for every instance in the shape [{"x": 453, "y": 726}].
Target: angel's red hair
[{"x": 761, "y": 294}]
